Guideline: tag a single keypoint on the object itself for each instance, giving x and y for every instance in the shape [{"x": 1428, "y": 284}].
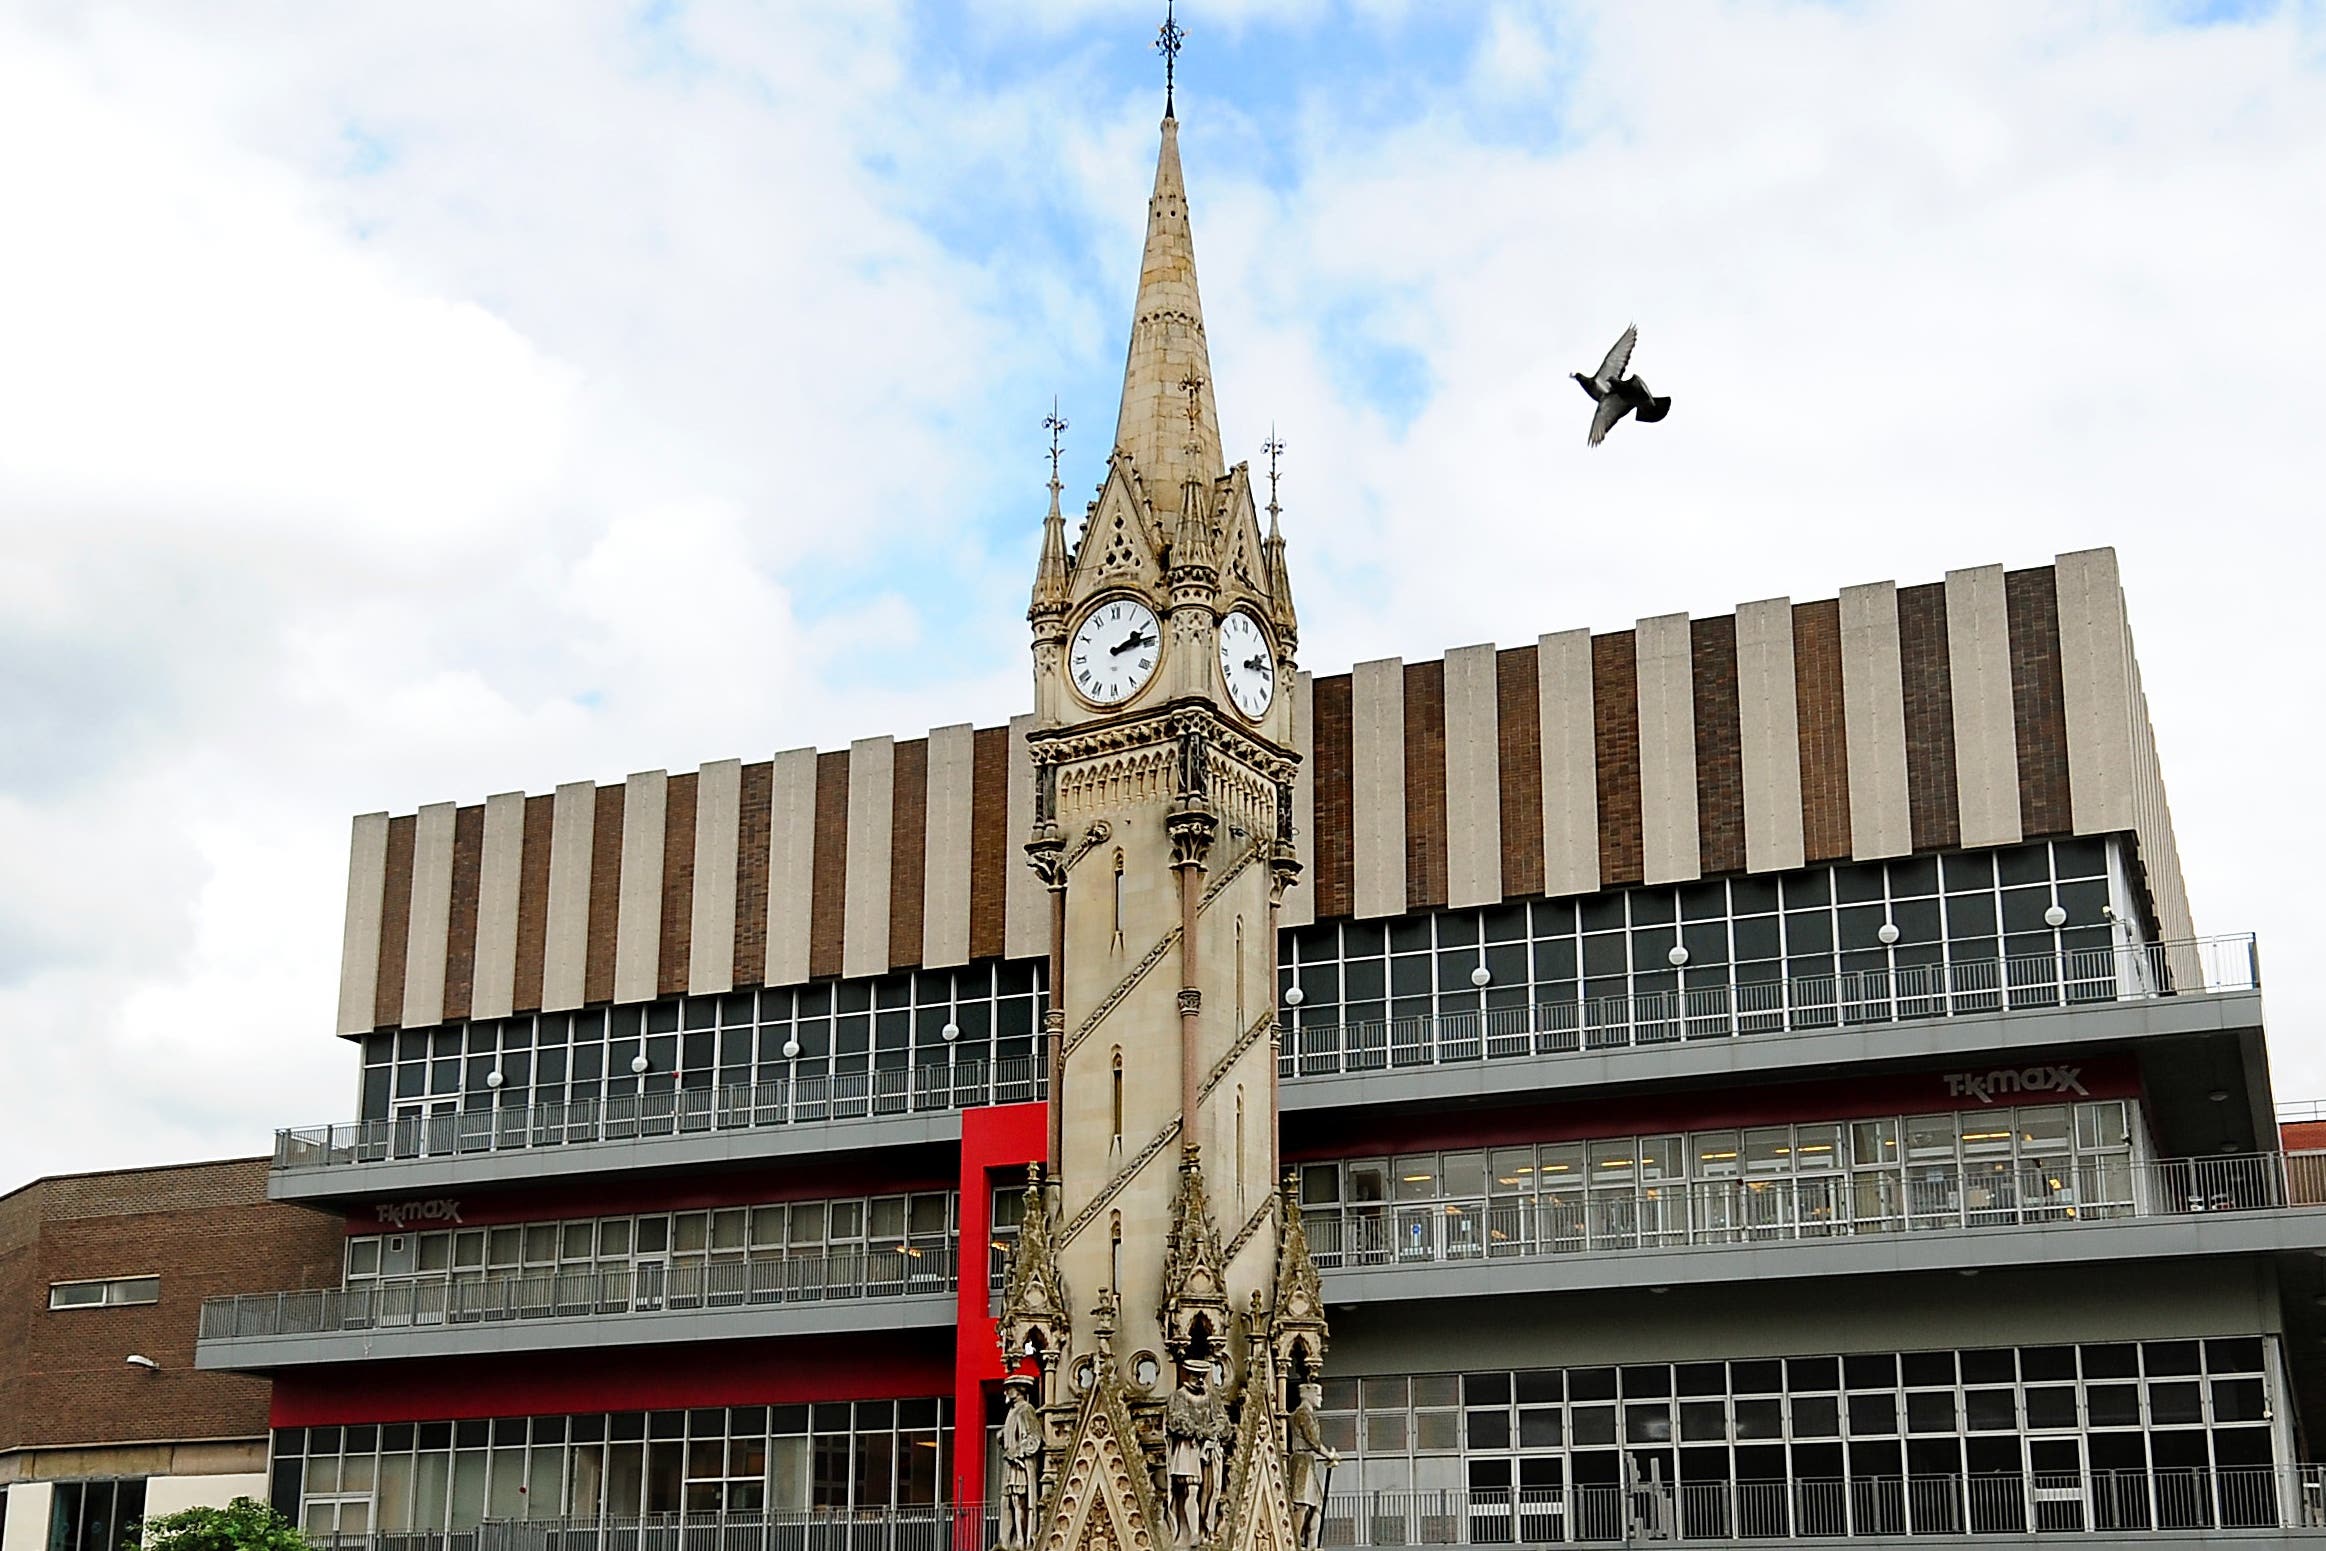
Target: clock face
[
  {"x": 1247, "y": 663},
  {"x": 1114, "y": 650}
]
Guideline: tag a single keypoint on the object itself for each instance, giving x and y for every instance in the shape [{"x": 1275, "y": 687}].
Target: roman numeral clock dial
[
  {"x": 1114, "y": 650},
  {"x": 1247, "y": 664}
]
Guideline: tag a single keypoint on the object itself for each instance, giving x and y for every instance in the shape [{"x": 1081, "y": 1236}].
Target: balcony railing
[
  {"x": 686, "y": 1112},
  {"x": 2287, "y": 1498},
  {"x": 1725, "y": 1007},
  {"x": 642, "y": 1290},
  {"x": 1888, "y": 1200}
]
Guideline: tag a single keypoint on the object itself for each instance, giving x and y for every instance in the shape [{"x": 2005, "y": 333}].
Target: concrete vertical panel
[
  {"x": 1986, "y": 736},
  {"x": 30, "y": 1504},
  {"x": 1025, "y": 903},
  {"x": 1377, "y": 785},
  {"x": 431, "y": 919},
  {"x": 1570, "y": 764},
  {"x": 710, "y": 966},
  {"x": 638, "y": 900},
  {"x": 791, "y": 866},
  {"x": 359, "y": 943},
  {"x": 1300, "y": 902},
  {"x": 871, "y": 838},
  {"x": 1769, "y": 735},
  {"x": 945, "y": 862},
  {"x": 1881, "y": 818},
  {"x": 566, "y": 947},
  {"x": 1473, "y": 778},
  {"x": 500, "y": 880},
  {"x": 2096, "y": 675},
  {"x": 1669, "y": 852}
]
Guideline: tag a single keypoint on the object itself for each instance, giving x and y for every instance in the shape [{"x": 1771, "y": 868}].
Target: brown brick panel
[
  {"x": 1331, "y": 729},
  {"x": 1425, "y": 785},
  {"x": 1817, "y": 696},
  {"x": 1720, "y": 816},
  {"x": 460, "y": 945},
  {"x": 605, "y": 894},
  {"x": 533, "y": 902},
  {"x": 908, "y": 852},
  {"x": 1934, "y": 808},
  {"x": 395, "y": 921},
  {"x": 1615, "y": 697},
  {"x": 1519, "y": 729},
  {"x": 206, "y": 1231},
  {"x": 2038, "y": 701},
  {"x": 678, "y": 883},
  {"x": 828, "y": 892},
  {"x": 989, "y": 839},
  {"x": 754, "y": 831}
]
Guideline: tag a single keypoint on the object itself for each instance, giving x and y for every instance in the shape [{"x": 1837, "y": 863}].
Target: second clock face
[
  {"x": 1114, "y": 650},
  {"x": 1247, "y": 663}
]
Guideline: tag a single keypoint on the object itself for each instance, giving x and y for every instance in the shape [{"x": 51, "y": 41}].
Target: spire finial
[
  {"x": 1192, "y": 386},
  {"x": 1168, "y": 41},
  {"x": 1274, "y": 447},
  {"x": 1055, "y": 424}
]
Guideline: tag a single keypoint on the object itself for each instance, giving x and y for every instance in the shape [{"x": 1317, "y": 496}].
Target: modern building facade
[
  {"x": 104, "y": 1417},
  {"x": 1741, "y": 1077}
]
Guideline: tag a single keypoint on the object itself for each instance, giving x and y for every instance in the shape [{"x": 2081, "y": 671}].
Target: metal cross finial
[
  {"x": 1168, "y": 42},
  {"x": 1055, "y": 424},
  {"x": 1274, "y": 447}
]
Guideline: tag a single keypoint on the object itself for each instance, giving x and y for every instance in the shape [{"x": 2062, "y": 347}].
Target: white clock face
[
  {"x": 1247, "y": 663},
  {"x": 1114, "y": 650}
]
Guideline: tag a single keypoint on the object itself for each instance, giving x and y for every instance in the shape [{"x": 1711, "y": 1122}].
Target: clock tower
[{"x": 1148, "y": 1292}]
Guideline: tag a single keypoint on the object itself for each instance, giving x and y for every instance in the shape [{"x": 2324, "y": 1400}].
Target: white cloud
[{"x": 397, "y": 405}]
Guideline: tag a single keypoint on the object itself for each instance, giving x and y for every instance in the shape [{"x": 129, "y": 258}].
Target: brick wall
[{"x": 205, "y": 1230}]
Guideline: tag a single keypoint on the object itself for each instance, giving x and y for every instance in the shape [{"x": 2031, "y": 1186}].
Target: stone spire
[
  {"x": 1167, "y": 346},
  {"x": 1052, "y": 584}
]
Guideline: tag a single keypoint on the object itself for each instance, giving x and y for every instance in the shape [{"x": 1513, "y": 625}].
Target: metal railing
[
  {"x": 2068, "y": 978},
  {"x": 1709, "y": 1213},
  {"x": 2299, "y": 1111},
  {"x": 643, "y": 1289},
  {"x": 2040, "y": 1503},
  {"x": 686, "y": 1112}
]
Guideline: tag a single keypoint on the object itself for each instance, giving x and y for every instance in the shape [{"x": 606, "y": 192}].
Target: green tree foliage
[{"x": 244, "y": 1524}]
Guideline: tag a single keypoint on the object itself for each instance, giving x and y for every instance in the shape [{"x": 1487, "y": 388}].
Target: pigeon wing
[
  {"x": 1654, "y": 410},
  {"x": 1618, "y": 358},
  {"x": 1611, "y": 409}
]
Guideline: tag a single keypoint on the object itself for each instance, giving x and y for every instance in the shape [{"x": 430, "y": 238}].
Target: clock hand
[
  {"x": 1138, "y": 638},
  {"x": 1256, "y": 664}
]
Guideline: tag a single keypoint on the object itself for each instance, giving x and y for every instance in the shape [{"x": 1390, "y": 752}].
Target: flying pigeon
[{"x": 1618, "y": 395}]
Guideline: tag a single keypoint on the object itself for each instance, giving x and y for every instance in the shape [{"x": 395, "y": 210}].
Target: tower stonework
[{"x": 1145, "y": 1286}]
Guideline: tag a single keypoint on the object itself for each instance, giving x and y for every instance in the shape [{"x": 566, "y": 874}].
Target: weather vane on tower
[
  {"x": 1168, "y": 43},
  {"x": 1274, "y": 447},
  {"x": 1055, "y": 424}
]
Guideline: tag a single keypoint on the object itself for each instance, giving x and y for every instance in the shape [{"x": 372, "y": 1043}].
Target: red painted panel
[
  {"x": 1902, "y": 1093},
  {"x": 802, "y": 1179},
  {"x": 896, "y": 1366},
  {"x": 996, "y": 1146}
]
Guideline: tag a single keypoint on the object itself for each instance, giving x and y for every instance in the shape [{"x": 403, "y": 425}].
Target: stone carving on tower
[{"x": 1163, "y": 645}]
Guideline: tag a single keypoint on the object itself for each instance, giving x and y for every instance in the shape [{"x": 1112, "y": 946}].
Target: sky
[{"x": 408, "y": 403}]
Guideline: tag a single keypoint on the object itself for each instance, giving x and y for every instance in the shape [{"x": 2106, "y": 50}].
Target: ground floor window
[
  {"x": 840, "y": 1456},
  {"x": 95, "y": 1515},
  {"x": 2105, "y": 1436}
]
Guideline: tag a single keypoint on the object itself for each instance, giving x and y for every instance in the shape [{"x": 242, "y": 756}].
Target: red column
[{"x": 996, "y": 1146}]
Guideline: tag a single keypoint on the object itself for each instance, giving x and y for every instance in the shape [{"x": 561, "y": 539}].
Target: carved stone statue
[
  {"x": 1311, "y": 1463},
  {"x": 1196, "y": 1435},
  {"x": 1021, "y": 1463}
]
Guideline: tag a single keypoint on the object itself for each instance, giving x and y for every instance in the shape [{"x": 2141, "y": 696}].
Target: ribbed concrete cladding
[{"x": 1972, "y": 712}]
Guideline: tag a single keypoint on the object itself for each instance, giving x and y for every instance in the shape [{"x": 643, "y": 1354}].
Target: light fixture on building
[
  {"x": 1967, "y": 1271},
  {"x": 1677, "y": 957},
  {"x": 494, "y": 1079},
  {"x": 140, "y": 1360},
  {"x": 791, "y": 1050},
  {"x": 950, "y": 1032},
  {"x": 1480, "y": 976},
  {"x": 639, "y": 1063},
  {"x": 1295, "y": 996},
  {"x": 2055, "y": 917},
  {"x": 2219, "y": 1095},
  {"x": 2229, "y": 1147},
  {"x": 1888, "y": 933}
]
